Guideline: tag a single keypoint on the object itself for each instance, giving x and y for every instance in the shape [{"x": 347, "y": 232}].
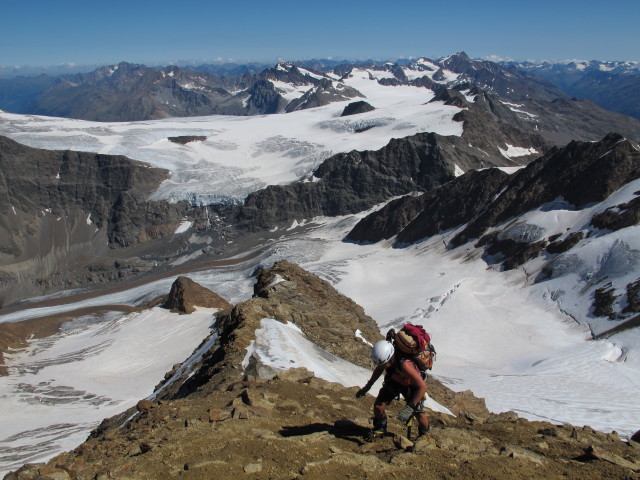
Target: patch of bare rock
[
  {"x": 298, "y": 426},
  {"x": 186, "y": 295},
  {"x": 232, "y": 423}
]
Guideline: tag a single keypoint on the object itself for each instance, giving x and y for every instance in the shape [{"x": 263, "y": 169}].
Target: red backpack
[{"x": 414, "y": 341}]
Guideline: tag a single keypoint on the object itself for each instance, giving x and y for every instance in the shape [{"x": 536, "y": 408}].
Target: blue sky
[{"x": 37, "y": 32}]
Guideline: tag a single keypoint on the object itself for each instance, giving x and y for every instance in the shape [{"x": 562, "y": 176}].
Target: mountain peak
[{"x": 284, "y": 66}]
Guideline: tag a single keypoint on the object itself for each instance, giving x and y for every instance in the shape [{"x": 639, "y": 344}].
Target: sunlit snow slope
[
  {"x": 58, "y": 388},
  {"x": 523, "y": 346}
]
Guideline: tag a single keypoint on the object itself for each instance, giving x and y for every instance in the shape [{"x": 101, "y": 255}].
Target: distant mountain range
[
  {"x": 382, "y": 177},
  {"x": 127, "y": 92},
  {"x": 612, "y": 85},
  {"x": 508, "y": 117}
]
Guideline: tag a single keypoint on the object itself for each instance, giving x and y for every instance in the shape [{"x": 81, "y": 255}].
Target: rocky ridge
[
  {"x": 237, "y": 422},
  {"x": 413, "y": 218},
  {"x": 580, "y": 173},
  {"x": 287, "y": 293},
  {"x": 130, "y": 92}
]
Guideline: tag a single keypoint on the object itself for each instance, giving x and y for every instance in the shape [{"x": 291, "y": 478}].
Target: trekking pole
[{"x": 406, "y": 416}]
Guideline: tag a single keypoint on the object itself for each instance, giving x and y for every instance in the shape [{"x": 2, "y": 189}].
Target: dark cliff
[{"x": 60, "y": 209}]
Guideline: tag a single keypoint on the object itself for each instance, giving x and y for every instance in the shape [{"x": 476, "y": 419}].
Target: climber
[{"x": 401, "y": 377}]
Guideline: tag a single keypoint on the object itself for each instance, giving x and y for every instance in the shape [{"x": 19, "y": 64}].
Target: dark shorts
[{"x": 391, "y": 390}]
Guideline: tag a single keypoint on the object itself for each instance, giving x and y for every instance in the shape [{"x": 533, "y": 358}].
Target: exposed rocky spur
[{"x": 233, "y": 421}]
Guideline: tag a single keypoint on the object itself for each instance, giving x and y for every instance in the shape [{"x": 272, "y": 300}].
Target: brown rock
[
  {"x": 519, "y": 452},
  {"x": 602, "y": 454},
  {"x": 424, "y": 443},
  {"x": 145, "y": 447},
  {"x": 186, "y": 294},
  {"x": 462, "y": 441},
  {"x": 145, "y": 405},
  {"x": 53, "y": 473},
  {"x": 252, "y": 468},
  {"x": 217, "y": 415},
  {"x": 402, "y": 442},
  {"x": 198, "y": 464},
  {"x": 301, "y": 375},
  {"x": 240, "y": 413},
  {"x": 502, "y": 417}
]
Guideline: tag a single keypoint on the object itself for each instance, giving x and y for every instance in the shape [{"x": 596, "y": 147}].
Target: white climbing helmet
[{"x": 382, "y": 352}]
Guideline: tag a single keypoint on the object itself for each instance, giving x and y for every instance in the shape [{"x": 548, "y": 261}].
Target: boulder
[{"x": 186, "y": 294}]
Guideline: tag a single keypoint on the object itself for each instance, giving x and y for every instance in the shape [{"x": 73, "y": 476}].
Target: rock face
[
  {"x": 186, "y": 294},
  {"x": 414, "y": 218},
  {"x": 581, "y": 173},
  {"x": 624, "y": 216},
  {"x": 62, "y": 209},
  {"x": 235, "y": 423},
  {"x": 355, "y": 108}
]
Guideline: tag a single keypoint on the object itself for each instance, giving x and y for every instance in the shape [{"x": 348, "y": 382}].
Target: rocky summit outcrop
[
  {"x": 287, "y": 293},
  {"x": 186, "y": 295},
  {"x": 355, "y": 108},
  {"x": 296, "y": 425},
  {"x": 329, "y": 319}
]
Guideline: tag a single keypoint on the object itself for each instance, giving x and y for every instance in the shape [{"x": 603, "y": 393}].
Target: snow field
[
  {"x": 494, "y": 334},
  {"x": 244, "y": 154},
  {"x": 60, "y": 387}
]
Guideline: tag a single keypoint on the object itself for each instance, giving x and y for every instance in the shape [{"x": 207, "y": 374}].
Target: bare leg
[
  {"x": 379, "y": 411},
  {"x": 423, "y": 422},
  {"x": 379, "y": 420}
]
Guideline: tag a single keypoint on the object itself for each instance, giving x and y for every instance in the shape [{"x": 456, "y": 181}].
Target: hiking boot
[
  {"x": 379, "y": 429},
  {"x": 423, "y": 431}
]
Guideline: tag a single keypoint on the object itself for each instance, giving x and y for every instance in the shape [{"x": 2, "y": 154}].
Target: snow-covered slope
[
  {"x": 243, "y": 154},
  {"x": 60, "y": 386},
  {"x": 522, "y": 345},
  {"x": 495, "y": 334}
]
